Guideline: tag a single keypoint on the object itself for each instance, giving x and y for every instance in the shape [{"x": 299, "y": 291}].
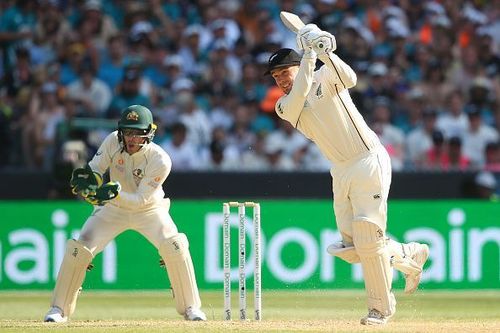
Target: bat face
[{"x": 291, "y": 21}]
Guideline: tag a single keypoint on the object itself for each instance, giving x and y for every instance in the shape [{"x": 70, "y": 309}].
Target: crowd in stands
[{"x": 427, "y": 79}]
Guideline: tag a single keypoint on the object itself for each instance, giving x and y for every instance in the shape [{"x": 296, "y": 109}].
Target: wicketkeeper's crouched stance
[
  {"x": 318, "y": 104},
  {"x": 134, "y": 199}
]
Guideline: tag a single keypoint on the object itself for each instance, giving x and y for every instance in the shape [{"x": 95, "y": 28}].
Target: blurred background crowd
[{"x": 428, "y": 80}]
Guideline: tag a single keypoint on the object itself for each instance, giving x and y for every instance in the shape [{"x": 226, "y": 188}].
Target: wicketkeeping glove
[
  {"x": 84, "y": 181},
  {"x": 103, "y": 194}
]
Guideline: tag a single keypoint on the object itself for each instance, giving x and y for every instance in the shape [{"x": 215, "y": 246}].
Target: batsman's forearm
[
  {"x": 342, "y": 73},
  {"x": 290, "y": 106}
]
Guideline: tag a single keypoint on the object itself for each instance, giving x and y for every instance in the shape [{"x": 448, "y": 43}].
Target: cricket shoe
[
  {"x": 419, "y": 257},
  {"x": 55, "y": 315},
  {"x": 194, "y": 314},
  {"x": 374, "y": 317}
]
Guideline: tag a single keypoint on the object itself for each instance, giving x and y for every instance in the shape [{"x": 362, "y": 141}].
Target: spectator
[
  {"x": 287, "y": 139},
  {"x": 457, "y": 160},
  {"x": 420, "y": 139},
  {"x": 454, "y": 121},
  {"x": 128, "y": 94},
  {"x": 486, "y": 185},
  {"x": 477, "y": 137},
  {"x": 427, "y": 55},
  {"x": 193, "y": 117},
  {"x": 17, "y": 25},
  {"x": 390, "y": 136},
  {"x": 492, "y": 157},
  {"x": 91, "y": 95},
  {"x": 112, "y": 64},
  {"x": 182, "y": 152}
]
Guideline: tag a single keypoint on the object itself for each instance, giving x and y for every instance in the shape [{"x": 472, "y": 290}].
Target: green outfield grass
[{"x": 291, "y": 311}]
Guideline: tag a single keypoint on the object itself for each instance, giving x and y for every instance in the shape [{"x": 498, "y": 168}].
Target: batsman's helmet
[{"x": 137, "y": 117}]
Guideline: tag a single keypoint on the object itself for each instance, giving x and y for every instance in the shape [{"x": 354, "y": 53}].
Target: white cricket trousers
[
  {"x": 108, "y": 221},
  {"x": 360, "y": 190}
]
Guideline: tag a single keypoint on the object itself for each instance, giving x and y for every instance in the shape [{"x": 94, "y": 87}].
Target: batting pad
[
  {"x": 71, "y": 275},
  {"x": 402, "y": 257},
  {"x": 369, "y": 241},
  {"x": 345, "y": 252},
  {"x": 175, "y": 253}
]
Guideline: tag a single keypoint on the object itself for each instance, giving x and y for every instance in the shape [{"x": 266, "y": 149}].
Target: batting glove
[
  {"x": 322, "y": 43},
  {"x": 301, "y": 38}
]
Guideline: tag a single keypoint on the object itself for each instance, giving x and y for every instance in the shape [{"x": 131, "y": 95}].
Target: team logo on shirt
[
  {"x": 319, "y": 92},
  {"x": 280, "y": 109},
  {"x": 138, "y": 173}
]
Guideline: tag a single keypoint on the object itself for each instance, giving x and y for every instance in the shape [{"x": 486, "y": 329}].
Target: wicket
[{"x": 226, "y": 231}]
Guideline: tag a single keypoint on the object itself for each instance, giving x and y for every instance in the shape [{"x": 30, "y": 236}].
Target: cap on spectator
[
  {"x": 377, "y": 69},
  {"x": 474, "y": 15},
  {"x": 455, "y": 141},
  {"x": 132, "y": 74},
  {"x": 49, "y": 88},
  {"x": 492, "y": 146},
  {"x": 139, "y": 29},
  {"x": 435, "y": 8},
  {"x": 486, "y": 179},
  {"x": 437, "y": 137},
  {"x": 282, "y": 58},
  {"x": 218, "y": 24},
  {"x": 486, "y": 31},
  {"x": 328, "y": 2},
  {"x": 92, "y": 5},
  {"x": 172, "y": 60},
  {"x": 429, "y": 112},
  {"x": 441, "y": 21},
  {"x": 472, "y": 110},
  {"x": 394, "y": 12},
  {"x": 482, "y": 82},
  {"x": 415, "y": 93},
  {"x": 221, "y": 44},
  {"x": 182, "y": 84},
  {"x": 397, "y": 28},
  {"x": 193, "y": 29},
  {"x": 357, "y": 26}
]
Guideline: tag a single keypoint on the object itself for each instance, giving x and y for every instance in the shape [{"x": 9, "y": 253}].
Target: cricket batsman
[
  {"x": 318, "y": 104},
  {"x": 133, "y": 199}
]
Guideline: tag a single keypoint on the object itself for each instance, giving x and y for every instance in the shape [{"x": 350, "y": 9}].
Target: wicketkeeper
[
  {"x": 318, "y": 104},
  {"x": 133, "y": 199}
]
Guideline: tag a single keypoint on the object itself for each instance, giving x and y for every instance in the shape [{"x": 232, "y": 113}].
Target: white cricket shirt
[
  {"x": 141, "y": 175},
  {"x": 319, "y": 106}
]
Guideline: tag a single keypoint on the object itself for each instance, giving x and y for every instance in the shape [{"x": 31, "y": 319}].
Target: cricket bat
[{"x": 291, "y": 21}]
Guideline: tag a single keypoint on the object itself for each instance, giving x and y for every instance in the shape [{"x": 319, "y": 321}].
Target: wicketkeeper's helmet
[{"x": 137, "y": 117}]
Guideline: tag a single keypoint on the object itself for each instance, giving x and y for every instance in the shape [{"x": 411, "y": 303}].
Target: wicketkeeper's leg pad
[
  {"x": 369, "y": 241},
  {"x": 71, "y": 275},
  {"x": 180, "y": 270}
]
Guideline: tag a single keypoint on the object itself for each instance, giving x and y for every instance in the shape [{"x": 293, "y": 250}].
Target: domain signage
[{"x": 464, "y": 238}]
